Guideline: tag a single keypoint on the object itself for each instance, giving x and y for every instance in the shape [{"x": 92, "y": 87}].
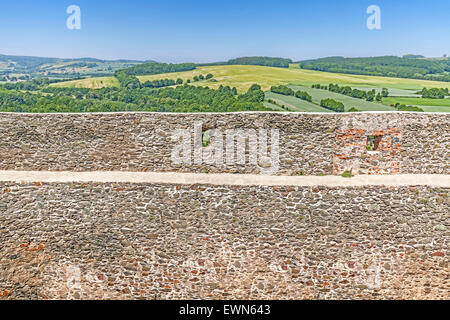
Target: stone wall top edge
[{"x": 228, "y": 113}]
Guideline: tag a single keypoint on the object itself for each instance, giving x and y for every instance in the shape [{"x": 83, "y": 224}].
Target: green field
[
  {"x": 295, "y": 104},
  {"x": 418, "y": 101},
  {"x": 349, "y": 102},
  {"x": 242, "y": 77}
]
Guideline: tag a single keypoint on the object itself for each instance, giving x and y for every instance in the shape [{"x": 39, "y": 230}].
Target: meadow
[{"x": 242, "y": 77}]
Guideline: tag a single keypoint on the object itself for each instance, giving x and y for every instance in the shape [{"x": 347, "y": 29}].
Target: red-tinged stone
[
  {"x": 7, "y": 190},
  {"x": 100, "y": 277},
  {"x": 351, "y": 264},
  {"x": 5, "y": 293},
  {"x": 438, "y": 254},
  {"x": 178, "y": 187},
  {"x": 205, "y": 238},
  {"x": 38, "y": 184},
  {"x": 344, "y": 274},
  {"x": 201, "y": 262},
  {"x": 284, "y": 267}
]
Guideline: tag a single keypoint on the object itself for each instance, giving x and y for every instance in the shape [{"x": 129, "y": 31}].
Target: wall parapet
[{"x": 309, "y": 143}]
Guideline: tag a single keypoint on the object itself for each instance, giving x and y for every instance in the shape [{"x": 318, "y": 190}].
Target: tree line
[
  {"x": 388, "y": 66},
  {"x": 434, "y": 93},
  {"x": 286, "y": 91},
  {"x": 333, "y": 105},
  {"x": 371, "y": 95},
  {"x": 183, "y": 98}
]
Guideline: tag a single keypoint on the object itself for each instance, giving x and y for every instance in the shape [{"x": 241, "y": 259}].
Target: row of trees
[
  {"x": 318, "y": 86},
  {"x": 303, "y": 95},
  {"x": 161, "y": 83},
  {"x": 333, "y": 105},
  {"x": 403, "y": 107},
  {"x": 371, "y": 95},
  {"x": 202, "y": 77},
  {"x": 132, "y": 82},
  {"x": 286, "y": 91},
  {"x": 434, "y": 93}
]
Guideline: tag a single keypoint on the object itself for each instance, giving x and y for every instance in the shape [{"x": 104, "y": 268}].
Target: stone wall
[
  {"x": 309, "y": 144},
  {"x": 201, "y": 242}
]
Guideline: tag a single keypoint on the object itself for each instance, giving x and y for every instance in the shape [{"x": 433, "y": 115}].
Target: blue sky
[{"x": 205, "y": 31}]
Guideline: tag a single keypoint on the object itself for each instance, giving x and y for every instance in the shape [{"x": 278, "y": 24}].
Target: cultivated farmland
[
  {"x": 242, "y": 77},
  {"x": 403, "y": 91}
]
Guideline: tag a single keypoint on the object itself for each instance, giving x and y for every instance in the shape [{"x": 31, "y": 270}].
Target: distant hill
[
  {"x": 28, "y": 67},
  {"x": 413, "y": 56},
  {"x": 253, "y": 61},
  {"x": 409, "y": 66},
  {"x": 19, "y": 68}
]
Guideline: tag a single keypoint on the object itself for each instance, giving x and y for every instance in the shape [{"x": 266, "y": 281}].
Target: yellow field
[
  {"x": 91, "y": 83},
  {"x": 242, "y": 77}
]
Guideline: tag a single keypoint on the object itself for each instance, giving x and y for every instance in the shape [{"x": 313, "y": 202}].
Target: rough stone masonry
[
  {"x": 140, "y": 241},
  {"x": 90, "y": 240},
  {"x": 309, "y": 144}
]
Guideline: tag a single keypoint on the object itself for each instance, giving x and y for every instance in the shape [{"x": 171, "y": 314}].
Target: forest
[
  {"x": 388, "y": 66},
  {"x": 179, "y": 99}
]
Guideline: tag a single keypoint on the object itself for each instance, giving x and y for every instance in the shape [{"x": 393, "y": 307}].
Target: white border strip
[{"x": 222, "y": 179}]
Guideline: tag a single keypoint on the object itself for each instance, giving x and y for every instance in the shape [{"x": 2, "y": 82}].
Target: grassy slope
[
  {"x": 91, "y": 83},
  {"x": 242, "y": 77}
]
